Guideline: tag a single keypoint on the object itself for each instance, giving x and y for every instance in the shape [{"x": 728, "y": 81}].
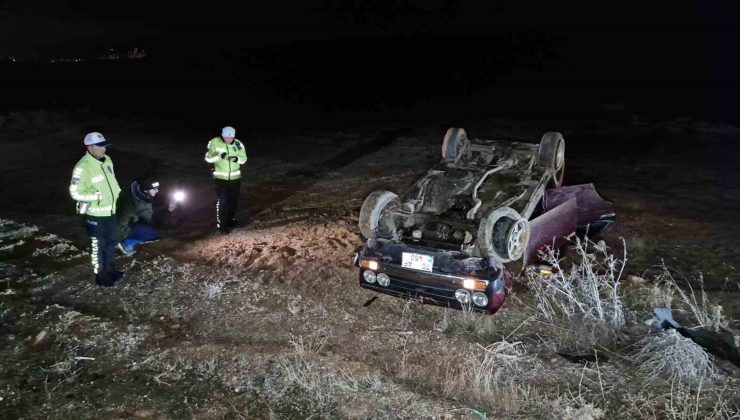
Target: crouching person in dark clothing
[{"x": 139, "y": 218}]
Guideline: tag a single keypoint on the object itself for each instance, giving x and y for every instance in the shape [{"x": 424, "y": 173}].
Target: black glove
[
  {"x": 223, "y": 155},
  {"x": 233, "y": 159}
]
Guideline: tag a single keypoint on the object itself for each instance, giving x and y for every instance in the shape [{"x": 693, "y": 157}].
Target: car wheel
[
  {"x": 455, "y": 140},
  {"x": 551, "y": 156},
  {"x": 503, "y": 234},
  {"x": 374, "y": 222}
]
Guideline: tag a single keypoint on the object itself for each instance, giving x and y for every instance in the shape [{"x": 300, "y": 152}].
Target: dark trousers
[
  {"x": 103, "y": 233},
  {"x": 227, "y": 197}
]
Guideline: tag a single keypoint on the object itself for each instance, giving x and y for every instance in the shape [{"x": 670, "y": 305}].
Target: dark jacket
[{"x": 135, "y": 206}]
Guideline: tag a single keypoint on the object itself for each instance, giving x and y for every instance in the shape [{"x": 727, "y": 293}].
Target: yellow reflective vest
[
  {"x": 94, "y": 181},
  {"x": 225, "y": 168}
]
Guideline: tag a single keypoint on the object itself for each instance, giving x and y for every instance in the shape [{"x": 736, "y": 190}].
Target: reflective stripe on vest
[
  {"x": 81, "y": 197},
  {"x": 232, "y": 174},
  {"x": 104, "y": 209}
]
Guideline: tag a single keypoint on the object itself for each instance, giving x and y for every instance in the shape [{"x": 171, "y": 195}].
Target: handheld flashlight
[{"x": 179, "y": 196}]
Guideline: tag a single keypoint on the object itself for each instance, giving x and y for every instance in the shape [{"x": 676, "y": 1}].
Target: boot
[{"x": 121, "y": 278}]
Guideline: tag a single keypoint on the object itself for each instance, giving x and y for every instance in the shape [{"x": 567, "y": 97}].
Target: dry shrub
[
  {"x": 483, "y": 327},
  {"x": 669, "y": 354},
  {"x": 309, "y": 345},
  {"x": 488, "y": 376},
  {"x": 583, "y": 302},
  {"x": 206, "y": 368},
  {"x": 575, "y": 408},
  {"x": 698, "y": 309},
  {"x": 303, "y": 371},
  {"x": 467, "y": 321},
  {"x": 685, "y": 403},
  {"x": 659, "y": 295},
  {"x": 320, "y": 382},
  {"x": 681, "y": 402},
  {"x": 214, "y": 290},
  {"x": 304, "y": 374},
  {"x": 501, "y": 380}
]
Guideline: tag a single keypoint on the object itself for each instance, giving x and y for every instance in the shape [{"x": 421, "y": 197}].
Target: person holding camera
[{"x": 139, "y": 219}]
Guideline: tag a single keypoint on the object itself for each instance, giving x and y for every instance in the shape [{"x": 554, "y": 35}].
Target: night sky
[{"x": 341, "y": 53}]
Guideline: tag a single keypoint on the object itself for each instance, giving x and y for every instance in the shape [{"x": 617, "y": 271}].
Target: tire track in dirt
[{"x": 318, "y": 239}]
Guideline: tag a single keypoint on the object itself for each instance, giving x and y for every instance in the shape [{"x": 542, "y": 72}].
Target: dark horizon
[{"x": 357, "y": 60}]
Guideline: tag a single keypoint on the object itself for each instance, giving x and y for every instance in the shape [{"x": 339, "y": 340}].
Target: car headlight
[
  {"x": 462, "y": 295},
  {"x": 369, "y": 276},
  {"x": 480, "y": 299},
  {"x": 383, "y": 279}
]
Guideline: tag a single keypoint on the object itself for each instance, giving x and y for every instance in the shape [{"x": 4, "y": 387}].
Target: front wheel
[
  {"x": 503, "y": 234},
  {"x": 375, "y": 221}
]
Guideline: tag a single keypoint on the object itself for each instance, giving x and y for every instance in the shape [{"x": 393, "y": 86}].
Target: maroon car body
[{"x": 487, "y": 205}]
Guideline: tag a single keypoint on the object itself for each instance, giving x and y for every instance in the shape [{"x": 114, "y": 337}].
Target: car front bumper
[{"x": 452, "y": 272}]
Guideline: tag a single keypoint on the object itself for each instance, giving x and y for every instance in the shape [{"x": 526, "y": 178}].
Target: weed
[
  {"x": 675, "y": 356},
  {"x": 585, "y": 299},
  {"x": 704, "y": 312},
  {"x": 309, "y": 345}
]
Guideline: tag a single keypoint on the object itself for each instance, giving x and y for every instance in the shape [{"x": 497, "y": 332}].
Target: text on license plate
[{"x": 417, "y": 261}]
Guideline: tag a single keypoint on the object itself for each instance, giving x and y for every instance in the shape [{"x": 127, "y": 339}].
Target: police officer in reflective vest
[
  {"x": 96, "y": 191},
  {"x": 227, "y": 154}
]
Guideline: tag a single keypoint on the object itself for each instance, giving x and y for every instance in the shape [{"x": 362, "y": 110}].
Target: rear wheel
[
  {"x": 455, "y": 140},
  {"x": 503, "y": 234},
  {"x": 551, "y": 157},
  {"x": 375, "y": 220}
]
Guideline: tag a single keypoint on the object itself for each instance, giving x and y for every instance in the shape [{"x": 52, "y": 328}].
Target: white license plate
[{"x": 417, "y": 261}]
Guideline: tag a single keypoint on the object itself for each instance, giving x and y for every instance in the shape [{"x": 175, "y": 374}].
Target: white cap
[
  {"x": 96, "y": 139},
  {"x": 228, "y": 132}
]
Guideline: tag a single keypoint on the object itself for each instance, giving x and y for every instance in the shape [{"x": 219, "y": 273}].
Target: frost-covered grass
[
  {"x": 673, "y": 356},
  {"x": 683, "y": 298},
  {"x": 581, "y": 301}
]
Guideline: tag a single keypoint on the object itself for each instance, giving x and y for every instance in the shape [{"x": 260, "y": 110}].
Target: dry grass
[
  {"x": 484, "y": 371},
  {"x": 294, "y": 306},
  {"x": 214, "y": 290},
  {"x": 671, "y": 355},
  {"x": 710, "y": 404},
  {"x": 206, "y": 368},
  {"x": 590, "y": 289},
  {"x": 302, "y": 370},
  {"x": 502, "y": 381},
  {"x": 680, "y": 402},
  {"x": 309, "y": 345},
  {"x": 465, "y": 320},
  {"x": 320, "y": 383},
  {"x": 481, "y": 327},
  {"x": 497, "y": 379},
  {"x": 583, "y": 304},
  {"x": 698, "y": 309}
]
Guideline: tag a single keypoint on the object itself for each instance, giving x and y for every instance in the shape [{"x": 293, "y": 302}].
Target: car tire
[
  {"x": 455, "y": 139},
  {"x": 503, "y": 234},
  {"x": 551, "y": 157},
  {"x": 371, "y": 213}
]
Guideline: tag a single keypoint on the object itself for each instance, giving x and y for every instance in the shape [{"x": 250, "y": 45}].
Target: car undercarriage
[{"x": 488, "y": 202}]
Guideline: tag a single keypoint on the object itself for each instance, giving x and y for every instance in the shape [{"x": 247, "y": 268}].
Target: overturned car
[{"x": 488, "y": 204}]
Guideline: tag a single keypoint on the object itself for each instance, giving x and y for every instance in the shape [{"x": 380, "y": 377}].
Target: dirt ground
[{"x": 270, "y": 322}]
